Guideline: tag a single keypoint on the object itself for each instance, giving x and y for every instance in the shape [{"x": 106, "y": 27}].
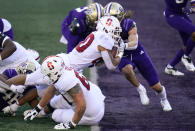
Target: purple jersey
[
  {"x": 10, "y": 73},
  {"x": 81, "y": 33},
  {"x": 6, "y": 28},
  {"x": 176, "y": 6}
]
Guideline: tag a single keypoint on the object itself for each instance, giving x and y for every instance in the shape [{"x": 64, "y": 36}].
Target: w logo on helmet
[{"x": 50, "y": 65}]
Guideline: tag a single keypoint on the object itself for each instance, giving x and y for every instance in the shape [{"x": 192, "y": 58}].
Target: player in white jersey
[
  {"x": 12, "y": 54},
  {"x": 96, "y": 46},
  {"x": 87, "y": 97}
]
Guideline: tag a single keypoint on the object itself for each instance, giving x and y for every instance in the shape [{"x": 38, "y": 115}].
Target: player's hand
[
  {"x": 65, "y": 126},
  {"x": 122, "y": 46},
  {"x": 32, "y": 114},
  {"x": 192, "y": 10},
  {"x": 17, "y": 89}
]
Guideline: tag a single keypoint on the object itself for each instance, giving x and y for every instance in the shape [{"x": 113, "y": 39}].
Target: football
[{"x": 114, "y": 51}]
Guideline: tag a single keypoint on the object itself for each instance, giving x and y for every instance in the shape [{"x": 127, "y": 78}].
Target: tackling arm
[
  {"x": 132, "y": 39},
  {"x": 78, "y": 97}
]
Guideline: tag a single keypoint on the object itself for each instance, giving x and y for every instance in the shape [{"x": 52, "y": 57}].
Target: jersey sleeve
[
  {"x": 104, "y": 40},
  {"x": 10, "y": 73},
  {"x": 66, "y": 81}
]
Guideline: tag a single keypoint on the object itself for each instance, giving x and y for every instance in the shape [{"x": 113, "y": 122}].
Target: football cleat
[
  {"x": 165, "y": 105},
  {"x": 187, "y": 61},
  {"x": 173, "y": 71},
  {"x": 143, "y": 96}
]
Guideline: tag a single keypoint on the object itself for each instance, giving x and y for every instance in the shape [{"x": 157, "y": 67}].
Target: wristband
[
  {"x": 38, "y": 108},
  {"x": 71, "y": 124},
  {"x": 0, "y": 58}
]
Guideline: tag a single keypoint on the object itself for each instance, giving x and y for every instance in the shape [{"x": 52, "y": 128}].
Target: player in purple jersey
[
  {"x": 176, "y": 15},
  {"x": 8, "y": 97},
  {"x": 79, "y": 23},
  {"x": 6, "y": 28},
  {"x": 136, "y": 56}
]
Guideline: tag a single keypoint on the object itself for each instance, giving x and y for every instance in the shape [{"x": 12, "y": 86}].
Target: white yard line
[{"x": 93, "y": 78}]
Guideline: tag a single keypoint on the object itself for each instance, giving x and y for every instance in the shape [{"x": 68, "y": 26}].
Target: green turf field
[{"x": 37, "y": 25}]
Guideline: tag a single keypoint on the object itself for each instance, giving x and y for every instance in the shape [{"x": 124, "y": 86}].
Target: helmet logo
[
  {"x": 109, "y": 21},
  {"x": 50, "y": 65}
]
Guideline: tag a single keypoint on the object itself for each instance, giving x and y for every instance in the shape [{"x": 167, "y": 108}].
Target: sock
[
  {"x": 140, "y": 87},
  {"x": 177, "y": 58},
  {"x": 163, "y": 94},
  {"x": 189, "y": 47},
  {"x": 169, "y": 66},
  {"x": 42, "y": 113}
]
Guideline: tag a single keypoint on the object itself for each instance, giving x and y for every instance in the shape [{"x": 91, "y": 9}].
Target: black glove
[{"x": 73, "y": 27}]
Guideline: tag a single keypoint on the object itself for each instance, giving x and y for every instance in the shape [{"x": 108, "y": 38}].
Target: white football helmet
[
  {"x": 111, "y": 26},
  {"x": 53, "y": 67},
  {"x": 34, "y": 54},
  {"x": 26, "y": 68}
]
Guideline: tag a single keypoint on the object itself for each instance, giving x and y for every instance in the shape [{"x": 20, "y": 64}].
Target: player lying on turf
[
  {"x": 8, "y": 96},
  {"x": 177, "y": 16},
  {"x": 79, "y": 23},
  {"x": 96, "y": 46},
  {"x": 87, "y": 106},
  {"x": 136, "y": 56}
]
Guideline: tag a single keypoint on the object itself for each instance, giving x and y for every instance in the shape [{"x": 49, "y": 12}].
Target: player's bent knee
[
  {"x": 193, "y": 36},
  {"x": 128, "y": 69}
]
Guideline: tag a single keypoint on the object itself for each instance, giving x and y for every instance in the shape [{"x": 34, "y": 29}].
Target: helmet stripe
[
  {"x": 98, "y": 11},
  {"x": 108, "y": 8}
]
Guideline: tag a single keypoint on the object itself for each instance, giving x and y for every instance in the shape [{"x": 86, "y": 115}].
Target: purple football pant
[{"x": 141, "y": 60}]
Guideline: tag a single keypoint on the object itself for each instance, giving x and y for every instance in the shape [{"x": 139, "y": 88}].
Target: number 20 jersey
[{"x": 86, "y": 52}]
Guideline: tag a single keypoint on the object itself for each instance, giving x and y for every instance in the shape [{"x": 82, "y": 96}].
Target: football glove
[
  {"x": 32, "y": 114},
  {"x": 122, "y": 46},
  {"x": 17, "y": 89},
  {"x": 73, "y": 27},
  {"x": 65, "y": 126}
]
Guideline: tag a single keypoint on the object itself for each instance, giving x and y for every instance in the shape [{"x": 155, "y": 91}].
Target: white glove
[
  {"x": 122, "y": 46},
  {"x": 65, "y": 126},
  {"x": 10, "y": 109},
  {"x": 17, "y": 89},
  {"x": 32, "y": 114}
]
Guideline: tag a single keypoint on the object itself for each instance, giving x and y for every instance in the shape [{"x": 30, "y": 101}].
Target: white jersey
[
  {"x": 70, "y": 78},
  {"x": 19, "y": 56},
  {"x": 86, "y": 53}
]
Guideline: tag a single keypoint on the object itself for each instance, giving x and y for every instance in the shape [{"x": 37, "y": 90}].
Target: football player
[
  {"x": 87, "y": 107},
  {"x": 6, "y": 28},
  {"x": 177, "y": 16},
  {"x": 94, "y": 48},
  {"x": 79, "y": 23},
  {"x": 12, "y": 54},
  {"x": 136, "y": 56},
  {"x": 8, "y": 97}
]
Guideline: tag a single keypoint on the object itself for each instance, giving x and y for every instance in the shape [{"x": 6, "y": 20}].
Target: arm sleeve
[{"x": 107, "y": 60}]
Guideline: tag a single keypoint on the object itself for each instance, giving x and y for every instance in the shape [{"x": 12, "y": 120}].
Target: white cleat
[
  {"x": 165, "y": 105},
  {"x": 143, "y": 96},
  {"x": 187, "y": 61},
  {"x": 173, "y": 71}
]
